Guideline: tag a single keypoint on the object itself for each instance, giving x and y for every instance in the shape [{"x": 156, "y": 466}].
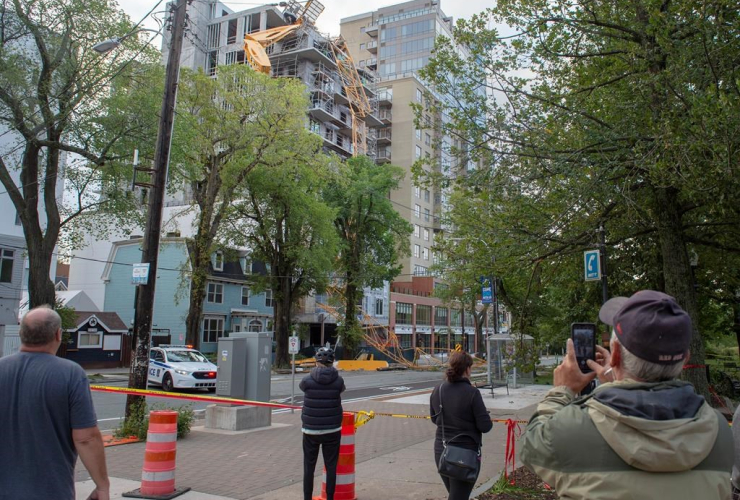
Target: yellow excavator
[{"x": 295, "y": 14}]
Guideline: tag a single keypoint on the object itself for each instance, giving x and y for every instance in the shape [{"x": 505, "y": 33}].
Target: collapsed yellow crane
[
  {"x": 255, "y": 45},
  {"x": 359, "y": 104}
]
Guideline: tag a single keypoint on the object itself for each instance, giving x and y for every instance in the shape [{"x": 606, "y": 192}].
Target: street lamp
[{"x": 107, "y": 45}]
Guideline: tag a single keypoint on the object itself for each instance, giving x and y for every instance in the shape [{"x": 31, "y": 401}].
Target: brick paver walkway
[{"x": 397, "y": 455}]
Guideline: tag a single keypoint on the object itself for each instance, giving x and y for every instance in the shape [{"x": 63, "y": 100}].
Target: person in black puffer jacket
[
  {"x": 322, "y": 421},
  {"x": 464, "y": 413}
]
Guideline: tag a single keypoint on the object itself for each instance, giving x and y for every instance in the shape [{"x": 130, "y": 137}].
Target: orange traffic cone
[
  {"x": 158, "y": 474},
  {"x": 345, "y": 489}
]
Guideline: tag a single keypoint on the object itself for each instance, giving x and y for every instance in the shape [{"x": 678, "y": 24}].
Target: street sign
[
  {"x": 591, "y": 265},
  {"x": 486, "y": 290},
  {"x": 294, "y": 344},
  {"x": 140, "y": 274}
]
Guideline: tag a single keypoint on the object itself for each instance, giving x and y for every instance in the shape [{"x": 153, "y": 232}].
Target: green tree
[
  {"x": 226, "y": 127},
  {"x": 621, "y": 114},
  {"x": 284, "y": 221},
  {"x": 55, "y": 93},
  {"x": 373, "y": 235}
]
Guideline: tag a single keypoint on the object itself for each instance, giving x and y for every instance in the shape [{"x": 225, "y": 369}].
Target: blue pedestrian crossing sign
[{"x": 591, "y": 265}]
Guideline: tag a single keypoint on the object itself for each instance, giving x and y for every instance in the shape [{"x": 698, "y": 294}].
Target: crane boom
[{"x": 256, "y": 43}]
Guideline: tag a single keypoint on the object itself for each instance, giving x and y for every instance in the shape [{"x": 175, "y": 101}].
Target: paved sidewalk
[{"x": 394, "y": 457}]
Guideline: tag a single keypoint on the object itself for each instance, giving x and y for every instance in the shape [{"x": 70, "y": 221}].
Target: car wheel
[{"x": 167, "y": 383}]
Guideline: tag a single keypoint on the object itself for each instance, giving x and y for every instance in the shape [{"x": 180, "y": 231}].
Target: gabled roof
[{"x": 110, "y": 321}]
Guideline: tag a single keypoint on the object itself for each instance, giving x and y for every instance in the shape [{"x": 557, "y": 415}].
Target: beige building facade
[{"x": 396, "y": 42}]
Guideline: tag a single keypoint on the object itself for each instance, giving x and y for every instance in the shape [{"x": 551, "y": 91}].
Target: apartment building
[{"x": 396, "y": 41}]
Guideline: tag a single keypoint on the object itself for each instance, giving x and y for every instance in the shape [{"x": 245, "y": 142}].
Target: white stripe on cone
[
  {"x": 347, "y": 439},
  {"x": 161, "y": 437},
  {"x": 157, "y": 476},
  {"x": 343, "y": 479}
]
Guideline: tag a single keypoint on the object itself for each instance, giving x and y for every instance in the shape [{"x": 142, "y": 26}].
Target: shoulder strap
[{"x": 441, "y": 413}]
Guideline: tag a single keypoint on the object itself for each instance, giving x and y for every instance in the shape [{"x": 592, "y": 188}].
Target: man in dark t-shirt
[{"x": 47, "y": 418}]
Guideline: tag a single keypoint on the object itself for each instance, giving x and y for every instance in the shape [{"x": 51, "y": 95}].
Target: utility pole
[
  {"x": 602, "y": 253},
  {"x": 150, "y": 247}
]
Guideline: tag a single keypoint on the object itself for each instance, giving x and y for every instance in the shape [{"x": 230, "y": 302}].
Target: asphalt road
[{"x": 360, "y": 385}]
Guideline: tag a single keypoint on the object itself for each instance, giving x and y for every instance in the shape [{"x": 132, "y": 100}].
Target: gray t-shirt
[{"x": 42, "y": 398}]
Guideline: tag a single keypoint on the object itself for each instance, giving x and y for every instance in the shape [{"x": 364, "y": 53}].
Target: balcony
[
  {"x": 384, "y": 156},
  {"x": 371, "y": 63},
  {"x": 384, "y": 136},
  {"x": 372, "y": 46},
  {"x": 385, "y": 116},
  {"x": 385, "y": 98},
  {"x": 372, "y": 30},
  {"x": 323, "y": 110}
]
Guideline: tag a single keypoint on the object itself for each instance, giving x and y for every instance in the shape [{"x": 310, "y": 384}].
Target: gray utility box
[
  {"x": 245, "y": 366},
  {"x": 232, "y": 367}
]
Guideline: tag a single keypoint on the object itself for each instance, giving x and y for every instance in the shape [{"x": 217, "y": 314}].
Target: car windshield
[{"x": 185, "y": 356}]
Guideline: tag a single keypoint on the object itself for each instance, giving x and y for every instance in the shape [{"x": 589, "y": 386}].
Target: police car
[{"x": 181, "y": 367}]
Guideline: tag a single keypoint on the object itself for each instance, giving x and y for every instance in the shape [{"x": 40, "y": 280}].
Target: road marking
[{"x": 400, "y": 388}]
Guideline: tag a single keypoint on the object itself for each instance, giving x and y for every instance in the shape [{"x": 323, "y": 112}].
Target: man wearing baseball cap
[{"x": 642, "y": 434}]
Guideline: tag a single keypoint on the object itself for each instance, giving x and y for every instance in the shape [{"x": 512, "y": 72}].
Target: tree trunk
[
  {"x": 199, "y": 260},
  {"x": 679, "y": 281},
  {"x": 349, "y": 329},
  {"x": 283, "y": 305},
  {"x": 40, "y": 286}
]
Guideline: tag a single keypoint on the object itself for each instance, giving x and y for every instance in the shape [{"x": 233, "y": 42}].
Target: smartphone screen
[{"x": 584, "y": 342}]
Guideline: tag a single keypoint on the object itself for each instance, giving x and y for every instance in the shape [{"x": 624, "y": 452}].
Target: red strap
[
  {"x": 689, "y": 367},
  {"x": 513, "y": 431}
]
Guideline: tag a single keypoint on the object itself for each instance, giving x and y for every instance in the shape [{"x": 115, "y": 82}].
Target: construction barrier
[
  {"x": 345, "y": 488},
  {"x": 158, "y": 473}
]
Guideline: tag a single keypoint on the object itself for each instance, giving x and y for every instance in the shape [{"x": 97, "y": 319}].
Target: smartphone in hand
[{"x": 584, "y": 342}]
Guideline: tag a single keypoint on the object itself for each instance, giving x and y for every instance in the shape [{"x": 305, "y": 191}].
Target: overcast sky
[{"x": 328, "y": 22}]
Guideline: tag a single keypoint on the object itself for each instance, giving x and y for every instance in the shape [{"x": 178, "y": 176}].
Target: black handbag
[{"x": 456, "y": 462}]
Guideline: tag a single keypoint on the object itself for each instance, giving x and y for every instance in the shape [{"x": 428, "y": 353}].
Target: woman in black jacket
[{"x": 464, "y": 412}]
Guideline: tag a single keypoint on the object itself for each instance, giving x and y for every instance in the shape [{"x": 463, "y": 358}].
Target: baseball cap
[{"x": 651, "y": 325}]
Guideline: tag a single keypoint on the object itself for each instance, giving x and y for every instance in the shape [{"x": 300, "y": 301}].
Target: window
[
  {"x": 213, "y": 329},
  {"x": 418, "y": 152},
  {"x": 90, "y": 339},
  {"x": 419, "y": 95},
  {"x": 403, "y": 313},
  {"x": 231, "y": 36},
  {"x": 269, "y": 300},
  {"x": 417, "y": 250},
  {"x": 255, "y": 325},
  {"x": 425, "y": 253},
  {"x": 362, "y": 46},
  {"x": 17, "y": 219},
  {"x": 417, "y": 210},
  {"x": 417, "y": 192},
  {"x": 426, "y": 195},
  {"x": 426, "y": 214},
  {"x": 215, "y": 294},
  {"x": 218, "y": 261},
  {"x": 212, "y": 63},
  {"x": 157, "y": 356},
  {"x": 418, "y": 134},
  {"x": 6, "y": 266},
  {"x": 420, "y": 271},
  {"x": 245, "y": 296},
  {"x": 417, "y": 230},
  {"x": 426, "y": 234},
  {"x": 427, "y": 139},
  {"x": 379, "y": 307},
  {"x": 423, "y": 315},
  {"x": 440, "y": 316},
  {"x": 314, "y": 126}
]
